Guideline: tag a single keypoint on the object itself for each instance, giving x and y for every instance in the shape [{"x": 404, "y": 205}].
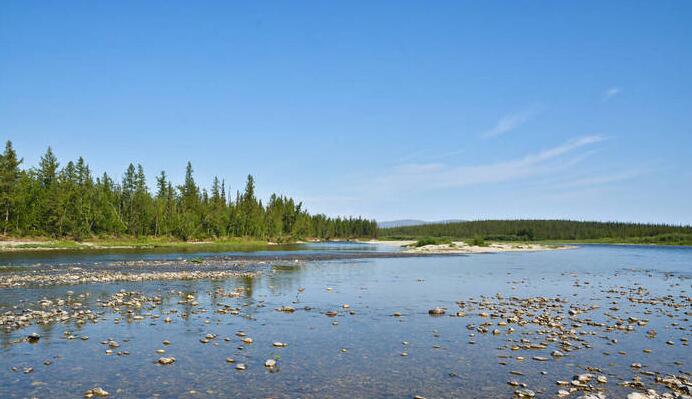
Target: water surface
[{"x": 358, "y": 353}]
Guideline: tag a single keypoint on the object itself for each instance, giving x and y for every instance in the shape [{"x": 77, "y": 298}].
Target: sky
[{"x": 382, "y": 109}]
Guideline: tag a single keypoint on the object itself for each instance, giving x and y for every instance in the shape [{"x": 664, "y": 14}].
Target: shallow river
[{"x": 618, "y": 295}]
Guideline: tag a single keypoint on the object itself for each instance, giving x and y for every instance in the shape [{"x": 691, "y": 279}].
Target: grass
[{"x": 227, "y": 244}]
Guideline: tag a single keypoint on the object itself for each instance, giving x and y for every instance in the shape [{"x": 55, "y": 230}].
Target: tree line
[
  {"x": 50, "y": 200},
  {"x": 529, "y": 230}
]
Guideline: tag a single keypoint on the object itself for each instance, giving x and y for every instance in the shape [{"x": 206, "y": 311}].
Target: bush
[{"x": 477, "y": 241}]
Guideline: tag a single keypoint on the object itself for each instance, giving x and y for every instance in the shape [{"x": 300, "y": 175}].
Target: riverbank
[{"x": 44, "y": 244}]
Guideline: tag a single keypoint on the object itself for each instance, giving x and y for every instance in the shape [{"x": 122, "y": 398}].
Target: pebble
[
  {"x": 525, "y": 393},
  {"x": 166, "y": 360},
  {"x": 96, "y": 392},
  {"x": 33, "y": 338}
]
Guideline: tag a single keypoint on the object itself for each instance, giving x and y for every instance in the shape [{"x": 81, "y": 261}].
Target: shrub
[{"x": 477, "y": 241}]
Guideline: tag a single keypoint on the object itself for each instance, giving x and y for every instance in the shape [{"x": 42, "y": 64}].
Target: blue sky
[{"x": 385, "y": 109}]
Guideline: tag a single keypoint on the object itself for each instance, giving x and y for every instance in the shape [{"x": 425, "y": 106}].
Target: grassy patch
[
  {"x": 477, "y": 241},
  {"x": 218, "y": 245}
]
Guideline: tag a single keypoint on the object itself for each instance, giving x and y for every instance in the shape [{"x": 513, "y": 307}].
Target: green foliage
[
  {"x": 69, "y": 203},
  {"x": 432, "y": 241},
  {"x": 477, "y": 241},
  {"x": 548, "y": 230}
]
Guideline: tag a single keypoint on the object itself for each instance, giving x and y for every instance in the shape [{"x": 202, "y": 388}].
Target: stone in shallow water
[
  {"x": 96, "y": 392},
  {"x": 525, "y": 393},
  {"x": 166, "y": 360},
  {"x": 592, "y": 396},
  {"x": 270, "y": 363},
  {"x": 437, "y": 311},
  {"x": 33, "y": 337}
]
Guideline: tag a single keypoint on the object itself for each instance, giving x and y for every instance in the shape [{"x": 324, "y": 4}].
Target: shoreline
[
  {"x": 460, "y": 247},
  {"x": 30, "y": 245},
  {"x": 18, "y": 245}
]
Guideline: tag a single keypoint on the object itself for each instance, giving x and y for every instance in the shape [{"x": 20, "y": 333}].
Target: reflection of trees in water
[
  {"x": 248, "y": 283},
  {"x": 285, "y": 279},
  {"x": 5, "y": 340}
]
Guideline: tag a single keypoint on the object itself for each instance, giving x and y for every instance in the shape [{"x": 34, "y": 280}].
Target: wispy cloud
[
  {"x": 425, "y": 176},
  {"x": 611, "y": 92},
  {"x": 510, "y": 122},
  {"x": 594, "y": 181}
]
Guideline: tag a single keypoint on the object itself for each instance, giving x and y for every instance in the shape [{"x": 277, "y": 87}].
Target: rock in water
[
  {"x": 96, "y": 392},
  {"x": 436, "y": 311},
  {"x": 33, "y": 338},
  {"x": 166, "y": 360},
  {"x": 270, "y": 363},
  {"x": 525, "y": 393}
]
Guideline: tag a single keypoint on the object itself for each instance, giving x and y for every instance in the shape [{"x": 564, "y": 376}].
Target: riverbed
[{"x": 351, "y": 320}]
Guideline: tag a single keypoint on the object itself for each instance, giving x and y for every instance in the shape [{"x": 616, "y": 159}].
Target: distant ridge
[{"x": 412, "y": 222}]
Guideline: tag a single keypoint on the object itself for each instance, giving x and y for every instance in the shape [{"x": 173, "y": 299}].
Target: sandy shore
[{"x": 460, "y": 247}]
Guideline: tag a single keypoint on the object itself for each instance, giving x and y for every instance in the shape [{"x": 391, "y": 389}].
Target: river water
[{"x": 619, "y": 295}]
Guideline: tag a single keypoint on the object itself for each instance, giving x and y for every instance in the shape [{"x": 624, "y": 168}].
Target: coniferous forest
[
  {"x": 68, "y": 201},
  {"x": 542, "y": 230}
]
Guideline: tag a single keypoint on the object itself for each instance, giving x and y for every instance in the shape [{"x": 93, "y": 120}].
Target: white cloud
[
  {"x": 510, "y": 122},
  {"x": 611, "y": 92},
  {"x": 436, "y": 175}
]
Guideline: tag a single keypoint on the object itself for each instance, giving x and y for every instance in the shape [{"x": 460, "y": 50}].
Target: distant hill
[
  {"x": 412, "y": 222},
  {"x": 545, "y": 230},
  {"x": 400, "y": 223}
]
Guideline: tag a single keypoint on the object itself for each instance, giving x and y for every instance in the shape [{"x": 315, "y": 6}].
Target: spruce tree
[{"x": 9, "y": 176}]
